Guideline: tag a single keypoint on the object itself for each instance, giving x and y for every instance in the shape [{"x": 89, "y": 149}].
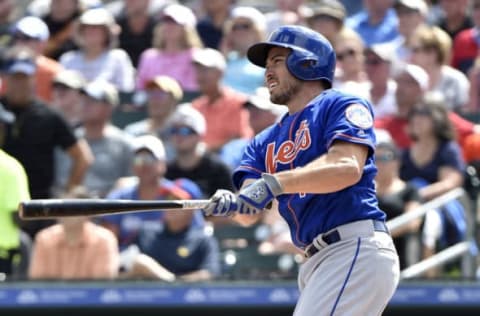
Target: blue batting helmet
[{"x": 312, "y": 56}]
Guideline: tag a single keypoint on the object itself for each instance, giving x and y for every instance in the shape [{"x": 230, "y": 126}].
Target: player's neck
[{"x": 309, "y": 91}]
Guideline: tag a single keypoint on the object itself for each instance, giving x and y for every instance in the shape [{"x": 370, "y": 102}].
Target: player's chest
[{"x": 293, "y": 147}]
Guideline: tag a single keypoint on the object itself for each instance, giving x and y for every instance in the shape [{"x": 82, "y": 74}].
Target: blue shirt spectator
[
  {"x": 384, "y": 31},
  {"x": 180, "y": 251}
]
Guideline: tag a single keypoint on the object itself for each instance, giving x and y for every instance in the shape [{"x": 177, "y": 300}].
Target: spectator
[
  {"x": 431, "y": 49},
  {"x": 175, "y": 40},
  {"x": 67, "y": 99},
  {"x": 179, "y": 249},
  {"x": 97, "y": 58},
  {"x": 465, "y": 44},
  {"x": 246, "y": 27},
  {"x": 8, "y": 13},
  {"x": 15, "y": 245},
  {"x": 221, "y": 106},
  {"x": 36, "y": 132},
  {"x": 286, "y": 12},
  {"x": 163, "y": 95},
  {"x": 111, "y": 147},
  {"x": 136, "y": 24},
  {"x": 192, "y": 160},
  {"x": 397, "y": 197},
  {"x": 455, "y": 17},
  {"x": 412, "y": 83},
  {"x": 376, "y": 23},
  {"x": 473, "y": 106},
  {"x": 60, "y": 18},
  {"x": 411, "y": 14},
  {"x": 434, "y": 164},
  {"x": 210, "y": 26},
  {"x": 75, "y": 248},
  {"x": 350, "y": 69},
  {"x": 262, "y": 114},
  {"x": 380, "y": 64},
  {"x": 148, "y": 183},
  {"x": 328, "y": 18},
  {"x": 33, "y": 33}
]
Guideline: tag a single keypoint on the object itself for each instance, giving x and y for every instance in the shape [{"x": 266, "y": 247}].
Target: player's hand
[
  {"x": 259, "y": 195},
  {"x": 223, "y": 203}
]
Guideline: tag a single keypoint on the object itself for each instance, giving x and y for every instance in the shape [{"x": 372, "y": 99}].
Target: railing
[{"x": 466, "y": 249}]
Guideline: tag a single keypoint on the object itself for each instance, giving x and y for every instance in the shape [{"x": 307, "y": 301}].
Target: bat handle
[{"x": 195, "y": 204}]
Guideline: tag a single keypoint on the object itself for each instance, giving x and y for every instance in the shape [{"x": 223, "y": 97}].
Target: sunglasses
[
  {"x": 348, "y": 53},
  {"x": 157, "y": 94},
  {"x": 386, "y": 157},
  {"x": 421, "y": 112},
  {"x": 143, "y": 158},
  {"x": 373, "y": 61},
  {"x": 182, "y": 131},
  {"x": 420, "y": 49},
  {"x": 241, "y": 26}
]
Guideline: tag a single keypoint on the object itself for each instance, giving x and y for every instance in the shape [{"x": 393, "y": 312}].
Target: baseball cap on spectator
[
  {"x": 102, "y": 90},
  {"x": 252, "y": 14},
  {"x": 26, "y": 66},
  {"x": 384, "y": 51},
  {"x": 210, "y": 58},
  {"x": 186, "y": 115},
  {"x": 32, "y": 28},
  {"x": 418, "y": 74},
  {"x": 261, "y": 100},
  {"x": 382, "y": 136},
  {"x": 151, "y": 143},
  {"x": 415, "y": 5},
  {"x": 97, "y": 16},
  {"x": 330, "y": 8},
  {"x": 180, "y": 14},
  {"x": 69, "y": 78},
  {"x": 100, "y": 17},
  {"x": 167, "y": 84},
  {"x": 6, "y": 116}
]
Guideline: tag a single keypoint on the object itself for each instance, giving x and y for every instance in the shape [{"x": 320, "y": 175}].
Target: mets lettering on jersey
[
  {"x": 299, "y": 139},
  {"x": 288, "y": 150}
]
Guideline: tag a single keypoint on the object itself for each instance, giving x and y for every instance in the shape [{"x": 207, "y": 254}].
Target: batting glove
[
  {"x": 260, "y": 194},
  {"x": 222, "y": 203}
]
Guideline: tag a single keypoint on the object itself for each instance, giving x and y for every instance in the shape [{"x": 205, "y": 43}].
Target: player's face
[{"x": 281, "y": 84}]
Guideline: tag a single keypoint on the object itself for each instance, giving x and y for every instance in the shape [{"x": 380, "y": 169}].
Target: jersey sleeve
[
  {"x": 252, "y": 164},
  {"x": 349, "y": 119}
]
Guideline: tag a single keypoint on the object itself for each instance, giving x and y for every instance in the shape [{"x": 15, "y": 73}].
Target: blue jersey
[{"x": 303, "y": 137}]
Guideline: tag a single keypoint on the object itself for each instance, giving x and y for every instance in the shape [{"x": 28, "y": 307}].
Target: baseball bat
[{"x": 53, "y": 208}]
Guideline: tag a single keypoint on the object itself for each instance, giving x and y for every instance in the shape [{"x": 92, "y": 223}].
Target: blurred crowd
[{"x": 155, "y": 99}]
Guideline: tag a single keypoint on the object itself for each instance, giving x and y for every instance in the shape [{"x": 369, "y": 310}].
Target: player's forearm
[{"x": 323, "y": 175}]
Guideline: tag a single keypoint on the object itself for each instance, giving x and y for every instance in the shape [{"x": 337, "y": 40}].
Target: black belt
[{"x": 334, "y": 236}]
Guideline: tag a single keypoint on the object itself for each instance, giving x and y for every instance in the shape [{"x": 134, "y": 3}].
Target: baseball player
[{"x": 317, "y": 163}]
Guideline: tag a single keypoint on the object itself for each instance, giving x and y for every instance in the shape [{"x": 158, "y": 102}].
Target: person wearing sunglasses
[
  {"x": 246, "y": 27},
  {"x": 379, "y": 63},
  {"x": 192, "y": 160},
  {"x": 397, "y": 197},
  {"x": 148, "y": 182},
  {"x": 163, "y": 94},
  {"x": 350, "y": 73}
]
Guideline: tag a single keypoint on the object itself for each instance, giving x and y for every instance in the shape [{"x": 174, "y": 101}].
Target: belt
[{"x": 355, "y": 229}]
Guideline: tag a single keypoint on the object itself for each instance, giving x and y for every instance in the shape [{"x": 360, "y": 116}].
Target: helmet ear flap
[{"x": 301, "y": 65}]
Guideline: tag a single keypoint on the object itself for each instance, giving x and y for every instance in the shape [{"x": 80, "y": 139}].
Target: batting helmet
[{"x": 312, "y": 56}]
